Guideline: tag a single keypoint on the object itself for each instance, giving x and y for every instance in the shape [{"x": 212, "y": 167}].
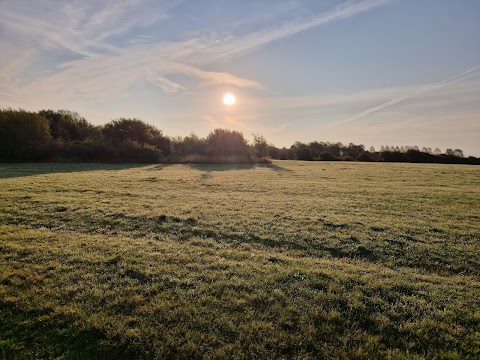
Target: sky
[{"x": 371, "y": 72}]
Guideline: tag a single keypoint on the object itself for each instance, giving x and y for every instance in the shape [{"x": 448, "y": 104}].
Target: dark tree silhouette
[
  {"x": 224, "y": 142},
  {"x": 458, "y": 152},
  {"x": 23, "y": 135},
  {"x": 260, "y": 146},
  {"x": 66, "y": 136},
  {"x": 302, "y": 151},
  {"x": 69, "y": 126}
]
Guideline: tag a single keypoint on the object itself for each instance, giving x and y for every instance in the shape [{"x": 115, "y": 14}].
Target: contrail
[
  {"x": 451, "y": 80},
  {"x": 242, "y": 45},
  {"x": 464, "y": 73}
]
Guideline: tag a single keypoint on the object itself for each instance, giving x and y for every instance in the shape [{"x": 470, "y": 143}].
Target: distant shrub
[
  {"x": 286, "y": 154},
  {"x": 188, "y": 145},
  {"x": 393, "y": 156},
  {"x": 303, "y": 152},
  {"x": 366, "y": 157},
  {"x": 132, "y": 151},
  {"x": 325, "y": 156},
  {"x": 260, "y": 146},
  {"x": 273, "y": 152}
]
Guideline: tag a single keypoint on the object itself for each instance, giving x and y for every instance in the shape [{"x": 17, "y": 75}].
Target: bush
[
  {"x": 69, "y": 126},
  {"x": 260, "y": 146},
  {"x": 325, "y": 156},
  {"x": 364, "y": 157},
  {"x": 303, "y": 153},
  {"x": 23, "y": 135},
  {"x": 224, "y": 142}
]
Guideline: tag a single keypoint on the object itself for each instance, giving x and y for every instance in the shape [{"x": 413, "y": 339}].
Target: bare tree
[{"x": 458, "y": 152}]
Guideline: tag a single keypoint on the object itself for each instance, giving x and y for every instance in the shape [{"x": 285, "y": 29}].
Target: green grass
[{"x": 284, "y": 260}]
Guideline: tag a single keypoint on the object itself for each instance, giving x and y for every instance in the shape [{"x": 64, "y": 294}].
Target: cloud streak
[
  {"x": 231, "y": 47},
  {"x": 460, "y": 77},
  {"x": 100, "y": 67}
]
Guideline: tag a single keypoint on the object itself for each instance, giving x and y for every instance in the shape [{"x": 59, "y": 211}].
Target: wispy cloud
[
  {"x": 460, "y": 77},
  {"x": 100, "y": 68},
  {"x": 230, "y": 47},
  {"x": 213, "y": 77},
  {"x": 167, "y": 85}
]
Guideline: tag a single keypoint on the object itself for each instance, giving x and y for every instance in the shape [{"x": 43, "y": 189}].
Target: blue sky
[{"x": 375, "y": 72}]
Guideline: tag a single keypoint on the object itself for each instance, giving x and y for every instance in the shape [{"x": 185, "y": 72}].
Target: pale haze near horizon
[{"x": 372, "y": 72}]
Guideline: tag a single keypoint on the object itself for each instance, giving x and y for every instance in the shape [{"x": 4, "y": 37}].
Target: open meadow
[{"x": 283, "y": 260}]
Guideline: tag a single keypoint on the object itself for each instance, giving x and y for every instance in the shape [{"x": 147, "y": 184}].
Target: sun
[{"x": 229, "y": 99}]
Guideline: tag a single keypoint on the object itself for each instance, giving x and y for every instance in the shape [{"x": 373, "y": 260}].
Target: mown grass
[{"x": 284, "y": 260}]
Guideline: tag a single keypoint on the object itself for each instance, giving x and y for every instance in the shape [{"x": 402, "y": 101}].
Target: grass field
[{"x": 283, "y": 260}]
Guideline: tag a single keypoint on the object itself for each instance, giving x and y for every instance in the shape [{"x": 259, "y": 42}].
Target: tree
[
  {"x": 335, "y": 149},
  {"x": 273, "y": 152},
  {"x": 135, "y": 130},
  {"x": 364, "y": 157},
  {"x": 316, "y": 148},
  {"x": 326, "y": 156},
  {"x": 372, "y": 149},
  {"x": 353, "y": 150},
  {"x": 145, "y": 140},
  {"x": 22, "y": 135},
  {"x": 260, "y": 146},
  {"x": 437, "y": 151},
  {"x": 227, "y": 143},
  {"x": 458, "y": 153},
  {"x": 195, "y": 145},
  {"x": 449, "y": 152},
  {"x": 286, "y": 154},
  {"x": 302, "y": 151},
  {"x": 69, "y": 126},
  {"x": 391, "y": 156},
  {"x": 121, "y": 130}
]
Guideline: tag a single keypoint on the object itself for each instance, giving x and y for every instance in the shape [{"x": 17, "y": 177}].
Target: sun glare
[{"x": 229, "y": 99}]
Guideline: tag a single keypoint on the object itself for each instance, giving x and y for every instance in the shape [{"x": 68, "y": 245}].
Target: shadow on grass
[
  {"x": 43, "y": 334},
  {"x": 8, "y": 171},
  {"x": 243, "y": 166},
  {"x": 158, "y": 167}
]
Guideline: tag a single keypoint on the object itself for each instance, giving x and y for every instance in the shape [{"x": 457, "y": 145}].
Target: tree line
[
  {"x": 65, "y": 136},
  {"x": 327, "y": 151}
]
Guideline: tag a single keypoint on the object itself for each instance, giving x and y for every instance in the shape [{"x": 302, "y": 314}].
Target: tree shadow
[
  {"x": 15, "y": 170},
  {"x": 208, "y": 169},
  {"x": 238, "y": 166},
  {"x": 159, "y": 167}
]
